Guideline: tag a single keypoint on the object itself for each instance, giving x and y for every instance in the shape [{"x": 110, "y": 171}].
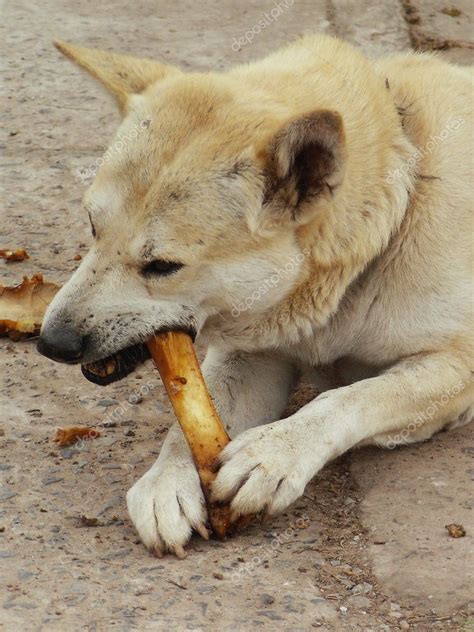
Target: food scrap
[
  {"x": 456, "y": 530},
  {"x": 22, "y": 306},
  {"x": 68, "y": 436},
  {"x": 19, "y": 254}
]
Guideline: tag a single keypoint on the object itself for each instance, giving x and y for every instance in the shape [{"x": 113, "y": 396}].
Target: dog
[{"x": 309, "y": 209}]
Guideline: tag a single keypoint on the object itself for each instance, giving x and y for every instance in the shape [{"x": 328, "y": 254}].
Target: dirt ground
[{"x": 364, "y": 549}]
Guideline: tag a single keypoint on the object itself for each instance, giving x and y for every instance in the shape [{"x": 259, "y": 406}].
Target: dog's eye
[{"x": 161, "y": 268}]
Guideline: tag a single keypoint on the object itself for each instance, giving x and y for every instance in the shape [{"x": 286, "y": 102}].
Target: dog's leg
[
  {"x": 267, "y": 468},
  {"x": 166, "y": 504}
]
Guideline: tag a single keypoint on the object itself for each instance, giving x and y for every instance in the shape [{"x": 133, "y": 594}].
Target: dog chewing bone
[{"x": 174, "y": 356}]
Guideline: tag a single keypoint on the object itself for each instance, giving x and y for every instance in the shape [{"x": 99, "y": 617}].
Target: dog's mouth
[{"x": 116, "y": 366}]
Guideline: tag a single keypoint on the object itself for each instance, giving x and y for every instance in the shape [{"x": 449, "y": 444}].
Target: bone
[{"x": 174, "y": 356}]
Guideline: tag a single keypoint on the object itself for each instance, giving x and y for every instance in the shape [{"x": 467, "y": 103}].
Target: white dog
[{"x": 311, "y": 208}]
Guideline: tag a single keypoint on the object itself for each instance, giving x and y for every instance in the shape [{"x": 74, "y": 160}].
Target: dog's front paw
[
  {"x": 166, "y": 505},
  {"x": 263, "y": 469}
]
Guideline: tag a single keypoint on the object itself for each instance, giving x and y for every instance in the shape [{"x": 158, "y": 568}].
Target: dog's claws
[
  {"x": 234, "y": 516},
  {"x": 157, "y": 552},
  {"x": 179, "y": 552},
  {"x": 203, "y": 532}
]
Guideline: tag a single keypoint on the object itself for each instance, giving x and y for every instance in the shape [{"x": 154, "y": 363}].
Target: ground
[{"x": 366, "y": 547}]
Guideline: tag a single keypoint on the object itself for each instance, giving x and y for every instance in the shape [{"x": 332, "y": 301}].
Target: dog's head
[{"x": 194, "y": 210}]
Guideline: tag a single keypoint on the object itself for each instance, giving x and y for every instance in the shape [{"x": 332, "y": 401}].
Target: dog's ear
[
  {"x": 303, "y": 163},
  {"x": 121, "y": 75}
]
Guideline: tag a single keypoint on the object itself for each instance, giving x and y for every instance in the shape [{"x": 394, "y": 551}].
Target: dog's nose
[{"x": 61, "y": 343}]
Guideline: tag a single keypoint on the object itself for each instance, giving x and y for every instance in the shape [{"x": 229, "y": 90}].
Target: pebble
[
  {"x": 267, "y": 599},
  {"x": 360, "y": 602},
  {"x": 270, "y": 614},
  {"x": 7, "y": 495},
  {"x": 107, "y": 402},
  {"x": 51, "y": 481},
  {"x": 205, "y": 590},
  {"x": 68, "y": 453},
  {"x": 5, "y": 554},
  {"x": 395, "y": 615},
  {"x": 362, "y": 589},
  {"x": 404, "y": 625},
  {"x": 19, "y": 604}
]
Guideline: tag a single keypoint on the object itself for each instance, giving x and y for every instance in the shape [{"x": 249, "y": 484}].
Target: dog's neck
[{"x": 353, "y": 230}]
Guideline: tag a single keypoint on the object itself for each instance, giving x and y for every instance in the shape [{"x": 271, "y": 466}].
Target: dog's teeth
[{"x": 111, "y": 366}]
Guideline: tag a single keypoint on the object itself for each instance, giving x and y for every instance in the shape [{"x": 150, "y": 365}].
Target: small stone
[
  {"x": 51, "y": 481},
  {"x": 267, "y": 599},
  {"x": 362, "y": 589},
  {"x": 360, "y": 602},
  {"x": 218, "y": 575},
  {"x": 269, "y": 614},
  {"x": 107, "y": 402},
  {"x": 68, "y": 453},
  {"x": 7, "y": 495},
  {"x": 130, "y": 433},
  {"x": 404, "y": 625},
  {"x": 108, "y": 424},
  {"x": 343, "y": 609},
  {"x": 35, "y": 412},
  {"x": 395, "y": 615}
]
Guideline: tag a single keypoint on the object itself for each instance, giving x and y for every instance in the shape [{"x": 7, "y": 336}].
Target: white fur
[{"x": 383, "y": 280}]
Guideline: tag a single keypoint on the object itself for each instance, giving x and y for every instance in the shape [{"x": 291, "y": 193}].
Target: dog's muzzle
[
  {"x": 116, "y": 366},
  {"x": 122, "y": 362},
  {"x": 61, "y": 343}
]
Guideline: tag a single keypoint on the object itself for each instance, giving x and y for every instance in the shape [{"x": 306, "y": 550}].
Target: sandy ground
[{"x": 364, "y": 549}]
